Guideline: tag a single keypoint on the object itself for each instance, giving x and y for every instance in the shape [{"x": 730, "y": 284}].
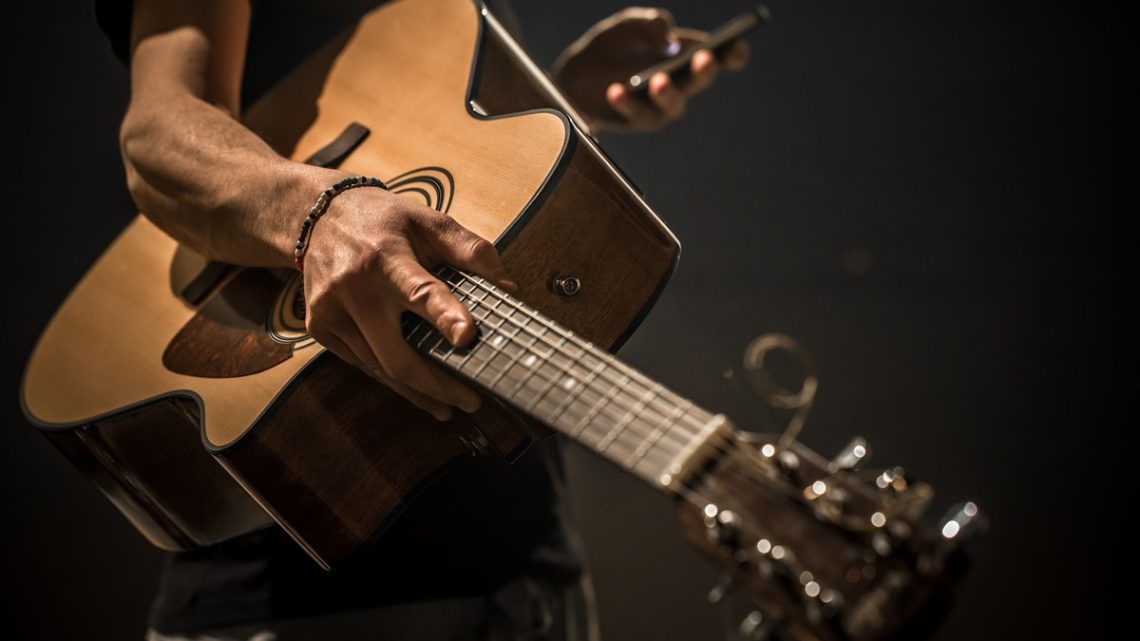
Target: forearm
[
  {"x": 213, "y": 184},
  {"x": 191, "y": 166}
]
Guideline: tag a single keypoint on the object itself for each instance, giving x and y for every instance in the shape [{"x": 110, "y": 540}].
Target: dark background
[{"x": 921, "y": 193}]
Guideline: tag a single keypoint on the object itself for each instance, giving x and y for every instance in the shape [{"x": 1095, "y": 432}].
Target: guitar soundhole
[
  {"x": 286, "y": 322},
  {"x": 226, "y": 336}
]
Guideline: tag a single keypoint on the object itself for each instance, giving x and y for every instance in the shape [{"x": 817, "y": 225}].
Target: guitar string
[
  {"x": 662, "y": 392},
  {"x": 640, "y": 401},
  {"x": 546, "y": 361},
  {"x": 720, "y": 443},
  {"x": 520, "y": 382},
  {"x": 686, "y": 489},
  {"x": 727, "y": 447},
  {"x": 671, "y": 425},
  {"x": 489, "y": 289}
]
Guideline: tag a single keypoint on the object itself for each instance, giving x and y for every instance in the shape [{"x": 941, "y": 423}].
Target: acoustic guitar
[{"x": 190, "y": 393}]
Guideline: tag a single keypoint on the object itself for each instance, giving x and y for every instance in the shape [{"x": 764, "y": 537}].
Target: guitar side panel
[{"x": 150, "y": 464}]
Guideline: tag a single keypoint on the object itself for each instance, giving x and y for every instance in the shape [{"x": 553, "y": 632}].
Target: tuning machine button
[
  {"x": 961, "y": 522},
  {"x": 723, "y": 528},
  {"x": 850, "y": 457},
  {"x": 893, "y": 479}
]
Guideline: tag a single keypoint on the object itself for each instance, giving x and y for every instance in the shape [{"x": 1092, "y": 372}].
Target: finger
[
  {"x": 427, "y": 297},
  {"x": 637, "y": 113},
  {"x": 422, "y": 293},
  {"x": 652, "y": 29},
  {"x": 660, "y": 21},
  {"x": 465, "y": 250},
  {"x": 437, "y": 407},
  {"x": 382, "y": 336},
  {"x": 355, "y": 352},
  {"x": 666, "y": 96},
  {"x": 735, "y": 57},
  {"x": 704, "y": 70}
]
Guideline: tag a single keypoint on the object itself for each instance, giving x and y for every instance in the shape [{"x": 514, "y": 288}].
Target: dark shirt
[{"x": 483, "y": 524}]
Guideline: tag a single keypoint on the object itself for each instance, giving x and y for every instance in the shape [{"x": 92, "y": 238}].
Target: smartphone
[{"x": 678, "y": 65}]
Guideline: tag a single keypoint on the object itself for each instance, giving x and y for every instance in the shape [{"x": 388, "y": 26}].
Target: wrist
[
  {"x": 321, "y": 206},
  {"x": 300, "y": 188}
]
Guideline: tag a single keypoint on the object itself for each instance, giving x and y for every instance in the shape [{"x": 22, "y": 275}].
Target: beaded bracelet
[{"x": 321, "y": 207}]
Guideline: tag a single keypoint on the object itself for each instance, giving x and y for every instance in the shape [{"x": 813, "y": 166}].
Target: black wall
[{"x": 921, "y": 193}]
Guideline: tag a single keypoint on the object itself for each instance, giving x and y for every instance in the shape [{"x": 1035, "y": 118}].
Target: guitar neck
[{"x": 552, "y": 375}]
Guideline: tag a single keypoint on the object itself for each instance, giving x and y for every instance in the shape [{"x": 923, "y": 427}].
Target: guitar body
[{"x": 155, "y": 354}]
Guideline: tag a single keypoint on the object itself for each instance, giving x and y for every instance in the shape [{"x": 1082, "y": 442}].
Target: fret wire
[
  {"x": 569, "y": 400},
  {"x": 635, "y": 428},
  {"x": 584, "y": 345},
  {"x": 613, "y": 393},
  {"x": 535, "y": 370},
  {"x": 466, "y": 295},
  {"x": 593, "y": 373},
  {"x": 550, "y": 384},
  {"x": 488, "y": 365},
  {"x": 621, "y": 384},
  {"x": 480, "y": 309},
  {"x": 698, "y": 423},
  {"x": 597, "y": 407},
  {"x": 542, "y": 375},
  {"x": 489, "y": 342},
  {"x": 625, "y": 422},
  {"x": 512, "y": 360},
  {"x": 527, "y": 377},
  {"x": 487, "y": 311},
  {"x": 648, "y": 444}
]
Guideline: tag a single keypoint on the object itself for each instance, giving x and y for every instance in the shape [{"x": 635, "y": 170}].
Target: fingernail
[
  {"x": 443, "y": 415},
  {"x": 509, "y": 285},
  {"x": 658, "y": 82},
  {"x": 615, "y": 93},
  {"x": 457, "y": 330}
]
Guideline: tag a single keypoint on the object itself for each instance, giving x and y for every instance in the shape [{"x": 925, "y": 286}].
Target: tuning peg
[
  {"x": 723, "y": 527},
  {"x": 850, "y": 457},
  {"x": 961, "y": 522},
  {"x": 892, "y": 479}
]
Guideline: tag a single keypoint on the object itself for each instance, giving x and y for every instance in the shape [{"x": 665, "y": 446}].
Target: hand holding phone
[{"x": 679, "y": 65}]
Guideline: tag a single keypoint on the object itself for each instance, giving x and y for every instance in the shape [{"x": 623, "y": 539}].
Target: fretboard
[{"x": 564, "y": 381}]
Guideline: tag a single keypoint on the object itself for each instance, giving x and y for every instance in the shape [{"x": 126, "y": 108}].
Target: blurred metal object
[
  {"x": 850, "y": 457},
  {"x": 961, "y": 522},
  {"x": 771, "y": 391}
]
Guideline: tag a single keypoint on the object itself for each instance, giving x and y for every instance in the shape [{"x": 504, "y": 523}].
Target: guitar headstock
[{"x": 828, "y": 550}]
